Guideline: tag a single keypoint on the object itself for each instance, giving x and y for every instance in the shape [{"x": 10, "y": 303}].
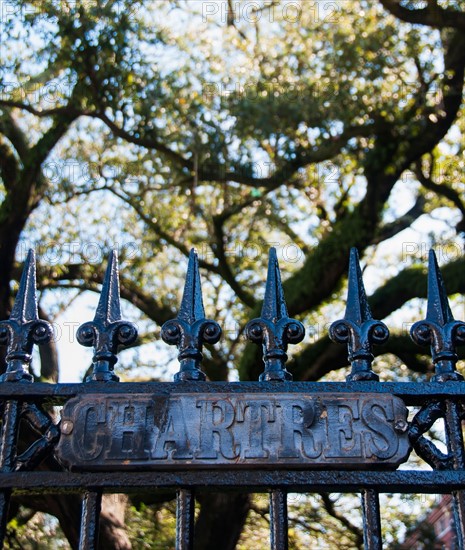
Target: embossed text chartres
[{"x": 114, "y": 432}]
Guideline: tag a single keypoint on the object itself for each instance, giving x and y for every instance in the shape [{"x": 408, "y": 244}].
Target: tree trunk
[
  {"x": 67, "y": 509},
  {"x": 221, "y": 519}
]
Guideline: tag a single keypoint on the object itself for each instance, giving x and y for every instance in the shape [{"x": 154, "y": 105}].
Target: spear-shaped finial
[
  {"x": 274, "y": 329},
  {"x": 190, "y": 329},
  {"x": 439, "y": 330},
  {"x": 107, "y": 331},
  {"x": 24, "y": 328},
  {"x": 358, "y": 329}
]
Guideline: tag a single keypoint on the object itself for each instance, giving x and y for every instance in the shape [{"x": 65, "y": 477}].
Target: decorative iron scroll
[
  {"x": 358, "y": 329},
  {"x": 190, "y": 329},
  {"x": 189, "y": 430},
  {"x": 20, "y": 333},
  {"x": 24, "y": 328},
  {"x": 273, "y": 435},
  {"x": 274, "y": 329},
  {"x": 107, "y": 332},
  {"x": 439, "y": 329}
]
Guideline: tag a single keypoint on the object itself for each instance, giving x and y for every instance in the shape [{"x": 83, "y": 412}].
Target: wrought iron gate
[{"x": 273, "y": 435}]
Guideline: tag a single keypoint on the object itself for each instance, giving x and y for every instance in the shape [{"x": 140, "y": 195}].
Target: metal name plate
[{"x": 198, "y": 430}]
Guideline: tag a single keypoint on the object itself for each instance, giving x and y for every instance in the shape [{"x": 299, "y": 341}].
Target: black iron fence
[{"x": 273, "y": 435}]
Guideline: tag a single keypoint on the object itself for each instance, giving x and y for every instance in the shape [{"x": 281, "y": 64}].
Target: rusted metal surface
[
  {"x": 250, "y": 480},
  {"x": 185, "y": 519},
  {"x": 372, "y": 537},
  {"x": 219, "y": 430},
  {"x": 90, "y": 519},
  {"x": 412, "y": 393},
  {"x": 279, "y": 523}
]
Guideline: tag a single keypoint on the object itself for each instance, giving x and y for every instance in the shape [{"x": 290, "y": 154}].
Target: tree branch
[
  {"x": 442, "y": 190},
  {"x": 331, "y": 509},
  {"x": 432, "y": 15},
  {"x": 84, "y": 277},
  {"x": 9, "y": 166},
  {"x": 42, "y": 113},
  {"x": 15, "y": 135},
  {"x": 390, "y": 229},
  {"x": 148, "y": 142},
  {"x": 224, "y": 267},
  {"x": 323, "y": 356},
  {"x": 412, "y": 283}
]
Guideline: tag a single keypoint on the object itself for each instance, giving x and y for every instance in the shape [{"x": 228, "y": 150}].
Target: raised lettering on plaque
[{"x": 276, "y": 430}]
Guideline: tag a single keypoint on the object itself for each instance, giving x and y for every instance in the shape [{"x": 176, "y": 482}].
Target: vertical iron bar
[
  {"x": 278, "y": 520},
  {"x": 7, "y": 458},
  {"x": 185, "y": 508},
  {"x": 458, "y": 506},
  {"x": 454, "y": 437},
  {"x": 8, "y": 441},
  {"x": 90, "y": 516},
  {"x": 443, "y": 333},
  {"x": 372, "y": 539},
  {"x": 19, "y": 333},
  {"x": 4, "y": 507}
]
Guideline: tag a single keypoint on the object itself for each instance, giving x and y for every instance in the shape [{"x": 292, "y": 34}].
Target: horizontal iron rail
[
  {"x": 414, "y": 393},
  {"x": 401, "y": 481}
]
